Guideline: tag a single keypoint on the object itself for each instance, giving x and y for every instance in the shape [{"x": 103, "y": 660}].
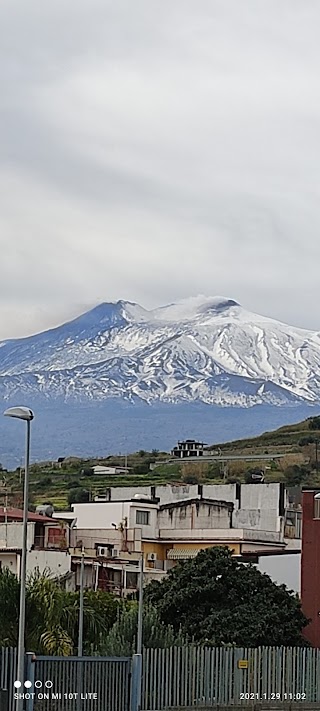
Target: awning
[{"x": 182, "y": 553}]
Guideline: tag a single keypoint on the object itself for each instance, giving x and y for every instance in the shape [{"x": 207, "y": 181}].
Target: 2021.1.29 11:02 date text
[{"x": 274, "y": 696}]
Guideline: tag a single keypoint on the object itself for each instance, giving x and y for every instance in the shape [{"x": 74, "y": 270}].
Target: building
[
  {"x": 100, "y": 469},
  {"x": 310, "y": 564},
  {"x": 188, "y": 448},
  {"x": 47, "y": 543},
  {"x": 172, "y": 526}
]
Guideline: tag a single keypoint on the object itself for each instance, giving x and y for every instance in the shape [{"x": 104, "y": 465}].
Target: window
[
  {"x": 316, "y": 513},
  {"x": 132, "y": 578},
  {"x": 142, "y": 517}
]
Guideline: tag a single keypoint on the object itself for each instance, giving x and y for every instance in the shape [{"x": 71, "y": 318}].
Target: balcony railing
[
  {"x": 293, "y": 524},
  {"x": 57, "y": 545}
]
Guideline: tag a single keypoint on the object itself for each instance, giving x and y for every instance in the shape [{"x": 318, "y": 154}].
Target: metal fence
[
  {"x": 70, "y": 683},
  {"x": 8, "y": 666},
  {"x": 194, "y": 676},
  {"x": 178, "y": 677}
]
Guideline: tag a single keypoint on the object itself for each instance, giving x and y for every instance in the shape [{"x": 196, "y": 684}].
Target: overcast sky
[{"x": 153, "y": 150}]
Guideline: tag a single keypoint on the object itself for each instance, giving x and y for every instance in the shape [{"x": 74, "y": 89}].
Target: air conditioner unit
[
  {"x": 102, "y": 552},
  {"x": 114, "y": 553},
  {"x": 151, "y": 557}
]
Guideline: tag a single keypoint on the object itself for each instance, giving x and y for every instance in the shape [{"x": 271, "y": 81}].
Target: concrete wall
[
  {"x": 11, "y": 561},
  {"x": 221, "y": 492},
  {"x": 148, "y": 531},
  {"x": 192, "y": 516},
  {"x": 259, "y": 508},
  {"x": 57, "y": 562},
  {"x": 100, "y": 515},
  {"x": 284, "y": 570},
  {"x": 11, "y": 535},
  {"x": 126, "y": 493},
  {"x": 168, "y": 494},
  {"x": 91, "y": 537}
]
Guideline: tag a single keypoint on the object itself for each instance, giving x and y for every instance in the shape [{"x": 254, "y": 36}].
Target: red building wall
[{"x": 310, "y": 567}]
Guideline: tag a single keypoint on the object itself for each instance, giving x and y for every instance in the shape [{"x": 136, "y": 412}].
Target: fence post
[
  {"x": 136, "y": 682},
  {"x": 30, "y": 673}
]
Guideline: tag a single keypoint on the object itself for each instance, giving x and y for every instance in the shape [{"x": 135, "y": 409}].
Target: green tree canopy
[
  {"x": 78, "y": 496},
  {"x": 218, "y": 600},
  {"x": 52, "y": 615}
]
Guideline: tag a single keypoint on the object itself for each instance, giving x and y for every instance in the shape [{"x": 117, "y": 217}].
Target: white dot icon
[
  {"x": 28, "y": 684},
  {"x": 17, "y": 684}
]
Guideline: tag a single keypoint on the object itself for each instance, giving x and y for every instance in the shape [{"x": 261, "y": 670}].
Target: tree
[
  {"x": 218, "y": 600},
  {"x": 294, "y": 475},
  {"x": 122, "y": 638},
  {"x": 52, "y": 615},
  {"x": 78, "y": 496},
  {"x": 9, "y": 608}
]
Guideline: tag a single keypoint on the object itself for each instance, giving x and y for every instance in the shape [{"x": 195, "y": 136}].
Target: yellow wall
[{"x": 158, "y": 548}]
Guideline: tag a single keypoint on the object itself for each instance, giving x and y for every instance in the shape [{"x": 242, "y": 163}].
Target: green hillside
[
  {"x": 287, "y": 436},
  {"x": 73, "y": 479}
]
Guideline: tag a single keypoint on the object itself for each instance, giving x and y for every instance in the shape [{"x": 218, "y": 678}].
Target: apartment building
[{"x": 166, "y": 526}]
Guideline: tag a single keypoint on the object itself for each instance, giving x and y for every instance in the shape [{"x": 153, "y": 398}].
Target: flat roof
[{"x": 208, "y": 502}]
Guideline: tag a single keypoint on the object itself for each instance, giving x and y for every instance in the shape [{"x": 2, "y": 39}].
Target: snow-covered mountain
[{"x": 205, "y": 349}]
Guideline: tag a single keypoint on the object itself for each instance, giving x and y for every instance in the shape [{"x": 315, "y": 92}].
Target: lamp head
[{"x": 20, "y": 413}]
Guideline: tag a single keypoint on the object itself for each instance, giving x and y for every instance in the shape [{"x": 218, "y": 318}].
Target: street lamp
[{"x": 23, "y": 413}]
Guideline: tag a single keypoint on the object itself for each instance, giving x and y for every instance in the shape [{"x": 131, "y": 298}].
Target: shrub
[
  {"x": 294, "y": 475},
  {"x": 44, "y": 482},
  {"x": 143, "y": 468},
  {"x": 314, "y": 423},
  {"x": 191, "y": 478},
  {"x": 304, "y": 441},
  {"x": 78, "y": 496}
]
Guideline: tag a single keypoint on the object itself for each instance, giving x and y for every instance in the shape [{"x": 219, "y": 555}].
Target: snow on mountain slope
[{"x": 206, "y": 349}]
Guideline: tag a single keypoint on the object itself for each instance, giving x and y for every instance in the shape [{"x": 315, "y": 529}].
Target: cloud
[{"x": 150, "y": 152}]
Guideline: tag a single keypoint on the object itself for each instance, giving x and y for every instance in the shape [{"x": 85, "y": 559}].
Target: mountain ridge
[{"x": 206, "y": 349}]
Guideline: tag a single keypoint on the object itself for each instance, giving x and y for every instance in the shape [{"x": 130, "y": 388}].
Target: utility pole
[
  {"x": 80, "y": 637},
  {"x": 140, "y": 608},
  {"x": 137, "y": 658}
]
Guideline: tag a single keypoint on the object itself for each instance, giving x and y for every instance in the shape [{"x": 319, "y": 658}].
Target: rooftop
[
  {"x": 17, "y": 515},
  {"x": 207, "y": 502}
]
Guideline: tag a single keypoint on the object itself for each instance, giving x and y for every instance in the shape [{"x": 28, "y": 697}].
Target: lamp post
[
  {"x": 81, "y": 601},
  {"x": 23, "y": 413},
  {"x": 140, "y": 608}
]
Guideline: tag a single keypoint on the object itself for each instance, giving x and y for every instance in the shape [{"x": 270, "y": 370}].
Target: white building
[
  {"x": 102, "y": 470},
  {"x": 47, "y": 543},
  {"x": 167, "y": 524}
]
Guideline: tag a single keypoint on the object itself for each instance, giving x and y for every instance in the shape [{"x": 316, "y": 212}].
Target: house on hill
[
  {"x": 188, "y": 448},
  {"x": 101, "y": 469}
]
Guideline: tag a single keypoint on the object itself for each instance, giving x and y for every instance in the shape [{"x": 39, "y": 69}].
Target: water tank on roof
[
  {"x": 45, "y": 510},
  {"x": 142, "y": 497}
]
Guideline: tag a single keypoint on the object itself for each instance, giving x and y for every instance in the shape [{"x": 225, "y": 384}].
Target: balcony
[
  {"x": 293, "y": 524},
  {"x": 59, "y": 543}
]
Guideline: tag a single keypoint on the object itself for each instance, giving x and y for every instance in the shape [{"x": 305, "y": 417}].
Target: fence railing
[
  {"x": 8, "y": 666},
  {"x": 73, "y": 683},
  {"x": 177, "y": 677},
  {"x": 191, "y": 676}
]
